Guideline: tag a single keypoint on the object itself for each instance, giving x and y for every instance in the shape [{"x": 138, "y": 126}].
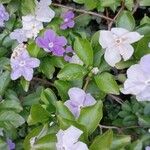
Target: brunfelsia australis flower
[
  {"x": 4, "y": 16},
  {"x": 68, "y": 139},
  {"x": 117, "y": 43},
  {"x": 53, "y": 43},
  {"x": 11, "y": 145},
  {"x": 68, "y": 20},
  {"x": 78, "y": 100},
  {"x": 138, "y": 80},
  {"x": 43, "y": 12},
  {"x": 22, "y": 64},
  {"x": 31, "y": 26}
]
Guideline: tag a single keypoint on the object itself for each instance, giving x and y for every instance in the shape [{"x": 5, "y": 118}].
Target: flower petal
[
  {"x": 112, "y": 56},
  {"x": 126, "y": 51},
  {"x": 119, "y": 31},
  {"x": 77, "y": 95},
  {"x": 145, "y": 63},
  {"x": 132, "y": 37},
  {"x": 60, "y": 40},
  {"x": 15, "y": 74},
  {"x": 89, "y": 100},
  {"x": 33, "y": 62},
  {"x": 106, "y": 38},
  {"x": 80, "y": 146},
  {"x": 27, "y": 73},
  {"x": 58, "y": 51},
  {"x": 41, "y": 42},
  {"x": 49, "y": 35}
]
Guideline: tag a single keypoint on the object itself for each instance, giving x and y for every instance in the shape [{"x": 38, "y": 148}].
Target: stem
[
  {"x": 117, "y": 99},
  {"x": 119, "y": 12},
  {"x": 86, "y": 83},
  {"x": 82, "y": 11},
  {"x": 135, "y": 6},
  {"x": 111, "y": 127},
  {"x": 43, "y": 81}
]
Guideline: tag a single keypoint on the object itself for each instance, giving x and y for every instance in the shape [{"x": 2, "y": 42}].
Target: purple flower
[
  {"x": 19, "y": 35},
  {"x": 52, "y": 43},
  {"x": 68, "y": 20},
  {"x": 68, "y": 51},
  {"x": 22, "y": 64},
  {"x": 147, "y": 148},
  {"x": 78, "y": 99},
  {"x": 10, "y": 144},
  {"x": 4, "y": 16}
]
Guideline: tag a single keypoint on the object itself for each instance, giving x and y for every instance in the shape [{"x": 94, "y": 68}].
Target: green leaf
[
  {"x": 10, "y": 105},
  {"x": 91, "y": 116},
  {"x": 4, "y": 1},
  {"x": 125, "y": 64},
  {"x": 4, "y": 81},
  {"x": 38, "y": 115},
  {"x": 145, "y": 20},
  {"x": 136, "y": 145},
  {"x": 84, "y": 50},
  {"x": 144, "y": 3},
  {"x": 144, "y": 29},
  {"x": 3, "y": 144},
  {"x": 79, "y": 1},
  {"x": 27, "y": 7},
  {"x": 142, "y": 47},
  {"x": 120, "y": 141},
  {"x": 63, "y": 111},
  {"x": 102, "y": 142},
  {"x": 144, "y": 121},
  {"x": 63, "y": 88},
  {"x": 91, "y": 4},
  {"x": 8, "y": 118},
  {"x": 106, "y": 82},
  {"x": 126, "y": 20},
  {"x": 72, "y": 72},
  {"x": 48, "y": 142},
  {"x": 25, "y": 84},
  {"x": 47, "y": 67}
]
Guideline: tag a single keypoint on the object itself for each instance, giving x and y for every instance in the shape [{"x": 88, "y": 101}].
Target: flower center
[
  {"x": 50, "y": 45},
  {"x": 66, "y": 20},
  {"x": 22, "y": 63},
  {"x": 118, "y": 41}
]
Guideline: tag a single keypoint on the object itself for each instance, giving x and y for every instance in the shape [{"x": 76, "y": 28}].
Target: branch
[
  {"x": 135, "y": 6},
  {"x": 119, "y": 12},
  {"x": 86, "y": 83},
  {"x": 43, "y": 81},
  {"x": 82, "y": 11},
  {"x": 117, "y": 99}
]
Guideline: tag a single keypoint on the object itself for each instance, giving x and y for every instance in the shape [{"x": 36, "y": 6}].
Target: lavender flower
[
  {"x": 78, "y": 99},
  {"x": 19, "y": 35},
  {"x": 68, "y": 20},
  {"x": 4, "y": 16},
  {"x": 68, "y": 139},
  {"x": 10, "y": 144},
  {"x": 52, "y": 43},
  {"x": 138, "y": 80},
  {"x": 147, "y": 148},
  {"x": 22, "y": 64}
]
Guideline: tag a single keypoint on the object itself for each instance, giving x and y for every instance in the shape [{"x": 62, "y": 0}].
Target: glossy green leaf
[
  {"x": 106, "y": 82},
  {"x": 126, "y": 20},
  {"x": 84, "y": 50},
  {"x": 72, "y": 72},
  {"x": 102, "y": 142},
  {"x": 91, "y": 116}
]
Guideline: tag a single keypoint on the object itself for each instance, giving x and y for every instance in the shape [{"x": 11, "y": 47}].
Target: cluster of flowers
[{"x": 117, "y": 43}]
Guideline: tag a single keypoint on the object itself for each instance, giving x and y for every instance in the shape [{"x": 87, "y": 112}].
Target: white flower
[
  {"x": 138, "y": 80},
  {"x": 75, "y": 59},
  {"x": 43, "y": 12},
  {"x": 117, "y": 43},
  {"x": 19, "y": 35},
  {"x": 31, "y": 26},
  {"x": 147, "y": 148},
  {"x": 68, "y": 139},
  {"x": 95, "y": 70},
  {"x": 149, "y": 44}
]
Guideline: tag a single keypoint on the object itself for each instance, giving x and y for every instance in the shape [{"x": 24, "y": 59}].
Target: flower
[
  {"x": 147, "y": 148},
  {"x": 138, "y": 80},
  {"x": 117, "y": 43},
  {"x": 78, "y": 99},
  {"x": 4, "y": 16},
  {"x": 95, "y": 70},
  {"x": 19, "y": 35},
  {"x": 68, "y": 20},
  {"x": 68, "y": 139},
  {"x": 52, "y": 43},
  {"x": 76, "y": 60},
  {"x": 22, "y": 64},
  {"x": 10, "y": 144},
  {"x": 43, "y": 12},
  {"x": 31, "y": 26}
]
